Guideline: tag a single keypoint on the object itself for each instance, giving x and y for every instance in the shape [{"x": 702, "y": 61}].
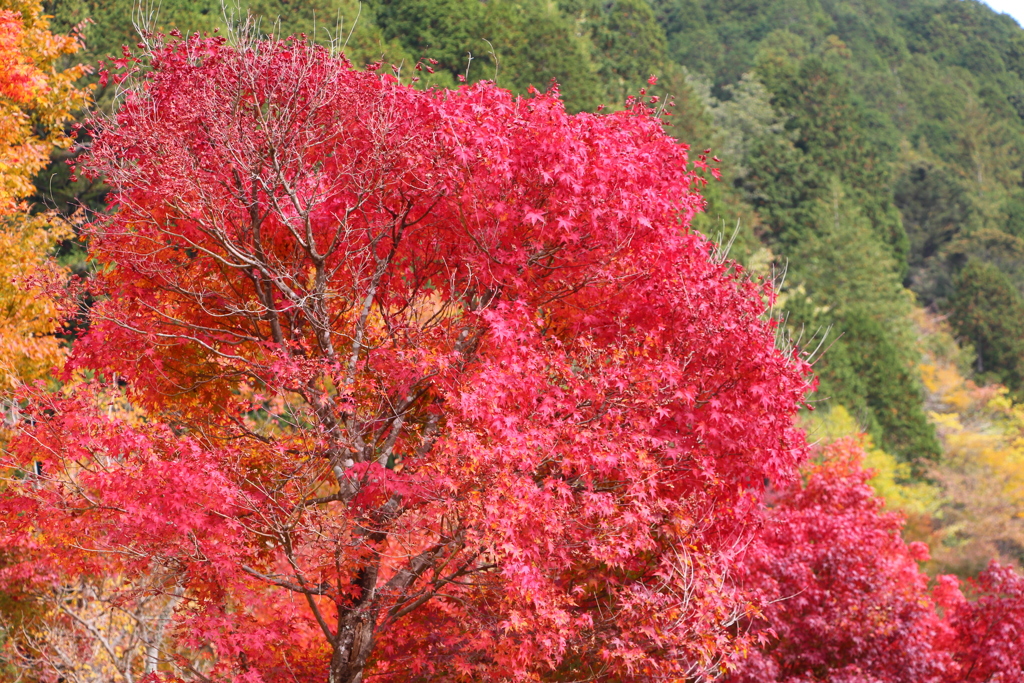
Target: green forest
[
  {"x": 871, "y": 162},
  {"x": 865, "y": 158}
]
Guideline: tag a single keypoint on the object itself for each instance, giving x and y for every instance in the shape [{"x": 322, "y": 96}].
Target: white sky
[{"x": 1015, "y": 8}]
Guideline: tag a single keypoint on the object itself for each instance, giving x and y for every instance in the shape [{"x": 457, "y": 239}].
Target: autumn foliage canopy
[
  {"x": 845, "y": 599},
  {"x": 440, "y": 385},
  {"x": 431, "y": 384}
]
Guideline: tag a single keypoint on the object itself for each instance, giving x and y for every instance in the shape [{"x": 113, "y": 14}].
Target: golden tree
[{"x": 37, "y": 100}]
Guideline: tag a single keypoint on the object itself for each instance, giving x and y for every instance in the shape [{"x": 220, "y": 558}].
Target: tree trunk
[{"x": 352, "y": 649}]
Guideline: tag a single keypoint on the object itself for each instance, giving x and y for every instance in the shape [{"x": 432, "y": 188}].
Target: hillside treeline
[{"x": 870, "y": 156}]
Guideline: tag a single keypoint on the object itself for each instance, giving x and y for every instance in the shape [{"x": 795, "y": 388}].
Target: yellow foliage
[
  {"x": 96, "y": 630},
  {"x": 946, "y": 382},
  {"x": 981, "y": 472},
  {"x": 893, "y": 480},
  {"x": 830, "y": 425},
  {"x": 36, "y": 99},
  {"x": 28, "y": 347}
]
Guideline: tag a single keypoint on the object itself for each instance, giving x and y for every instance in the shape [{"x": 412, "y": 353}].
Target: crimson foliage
[
  {"x": 846, "y": 600},
  {"x": 990, "y": 628},
  {"x": 425, "y": 384}
]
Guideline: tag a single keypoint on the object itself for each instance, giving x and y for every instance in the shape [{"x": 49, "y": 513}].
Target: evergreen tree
[
  {"x": 988, "y": 312},
  {"x": 935, "y": 206}
]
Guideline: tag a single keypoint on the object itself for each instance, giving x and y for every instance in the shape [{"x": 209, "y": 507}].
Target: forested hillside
[
  {"x": 870, "y": 152},
  {"x": 870, "y": 148},
  {"x": 865, "y": 159}
]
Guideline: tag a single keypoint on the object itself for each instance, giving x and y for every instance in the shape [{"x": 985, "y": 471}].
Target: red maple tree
[
  {"x": 989, "y": 628},
  {"x": 845, "y": 601},
  {"x": 845, "y": 598},
  {"x": 429, "y": 384}
]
